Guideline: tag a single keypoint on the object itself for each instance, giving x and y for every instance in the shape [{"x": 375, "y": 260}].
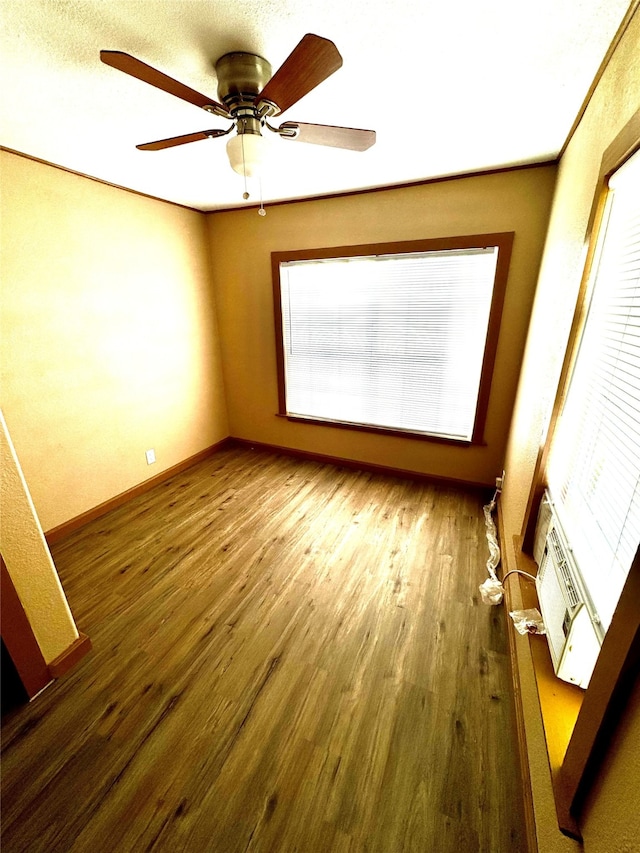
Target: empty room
[{"x": 320, "y": 462}]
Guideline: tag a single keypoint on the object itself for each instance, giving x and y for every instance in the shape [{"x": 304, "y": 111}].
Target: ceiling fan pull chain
[
  {"x": 245, "y": 194},
  {"x": 261, "y": 211}
]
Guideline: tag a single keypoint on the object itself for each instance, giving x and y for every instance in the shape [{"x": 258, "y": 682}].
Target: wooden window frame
[
  {"x": 587, "y": 718},
  {"x": 504, "y": 242}
]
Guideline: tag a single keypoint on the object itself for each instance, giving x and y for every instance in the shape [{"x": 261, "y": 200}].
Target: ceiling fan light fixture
[{"x": 248, "y": 153}]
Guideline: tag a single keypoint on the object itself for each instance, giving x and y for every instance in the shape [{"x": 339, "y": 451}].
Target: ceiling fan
[{"x": 250, "y": 95}]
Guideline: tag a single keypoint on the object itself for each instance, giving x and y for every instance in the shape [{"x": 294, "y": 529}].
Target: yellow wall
[
  {"x": 615, "y": 100},
  {"x": 242, "y": 242},
  {"x": 28, "y": 560},
  {"x": 109, "y": 336}
]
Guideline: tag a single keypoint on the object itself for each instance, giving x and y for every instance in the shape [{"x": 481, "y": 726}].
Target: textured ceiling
[{"x": 448, "y": 87}]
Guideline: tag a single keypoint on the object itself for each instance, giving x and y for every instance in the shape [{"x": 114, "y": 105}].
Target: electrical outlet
[
  {"x": 500, "y": 481},
  {"x": 151, "y": 456}
]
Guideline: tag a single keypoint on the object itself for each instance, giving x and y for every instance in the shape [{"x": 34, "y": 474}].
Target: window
[
  {"x": 579, "y": 725},
  {"x": 394, "y": 337},
  {"x": 594, "y": 462}
]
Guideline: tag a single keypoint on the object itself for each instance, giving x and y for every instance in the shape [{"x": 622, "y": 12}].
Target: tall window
[
  {"x": 594, "y": 463},
  {"x": 396, "y": 340}
]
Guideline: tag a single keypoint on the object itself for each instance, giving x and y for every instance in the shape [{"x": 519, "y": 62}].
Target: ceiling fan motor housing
[{"x": 241, "y": 78}]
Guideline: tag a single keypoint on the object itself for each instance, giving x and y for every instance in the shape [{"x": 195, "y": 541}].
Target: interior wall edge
[{"x": 28, "y": 559}]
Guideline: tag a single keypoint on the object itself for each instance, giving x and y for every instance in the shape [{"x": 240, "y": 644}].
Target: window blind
[
  {"x": 594, "y": 464},
  {"x": 392, "y": 341}
]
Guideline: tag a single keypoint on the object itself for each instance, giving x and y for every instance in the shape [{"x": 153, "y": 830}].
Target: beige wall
[
  {"x": 615, "y": 100},
  {"x": 242, "y": 242},
  {"x": 109, "y": 336},
  {"x": 28, "y": 560}
]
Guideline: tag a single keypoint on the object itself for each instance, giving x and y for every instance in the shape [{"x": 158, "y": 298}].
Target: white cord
[{"x": 518, "y": 572}]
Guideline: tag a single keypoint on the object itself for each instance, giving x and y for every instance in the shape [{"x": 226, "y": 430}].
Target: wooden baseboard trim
[
  {"x": 70, "y": 656},
  {"x": 56, "y": 534},
  {"x": 369, "y": 467},
  {"x": 67, "y": 527},
  {"x": 521, "y": 732}
]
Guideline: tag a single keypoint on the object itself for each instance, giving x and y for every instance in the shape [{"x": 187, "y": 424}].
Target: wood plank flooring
[{"x": 286, "y": 657}]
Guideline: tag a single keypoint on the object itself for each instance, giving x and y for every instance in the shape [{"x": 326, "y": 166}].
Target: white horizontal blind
[
  {"x": 594, "y": 466},
  {"x": 393, "y": 341}
]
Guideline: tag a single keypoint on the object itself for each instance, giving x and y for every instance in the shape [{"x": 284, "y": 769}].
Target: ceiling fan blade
[
  {"x": 181, "y": 140},
  {"x": 312, "y": 61},
  {"x": 136, "y": 68},
  {"x": 324, "y": 134}
]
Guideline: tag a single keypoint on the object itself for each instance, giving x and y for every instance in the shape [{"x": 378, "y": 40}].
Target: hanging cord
[
  {"x": 492, "y": 590},
  {"x": 492, "y": 539}
]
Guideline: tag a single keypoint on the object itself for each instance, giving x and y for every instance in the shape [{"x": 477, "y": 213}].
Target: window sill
[
  {"x": 560, "y": 702},
  {"x": 420, "y": 436}
]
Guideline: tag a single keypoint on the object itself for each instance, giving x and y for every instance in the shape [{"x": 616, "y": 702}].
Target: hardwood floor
[{"x": 286, "y": 657}]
